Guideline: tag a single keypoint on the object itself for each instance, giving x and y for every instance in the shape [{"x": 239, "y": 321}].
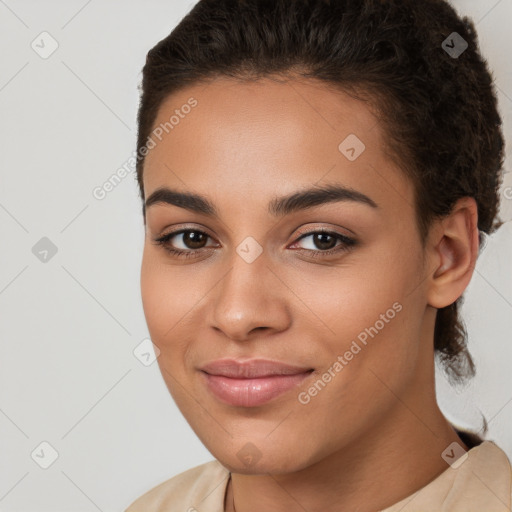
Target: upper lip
[{"x": 252, "y": 368}]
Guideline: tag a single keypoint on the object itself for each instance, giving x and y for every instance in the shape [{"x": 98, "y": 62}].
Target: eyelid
[
  {"x": 180, "y": 228},
  {"x": 346, "y": 243},
  {"x": 323, "y": 229}
]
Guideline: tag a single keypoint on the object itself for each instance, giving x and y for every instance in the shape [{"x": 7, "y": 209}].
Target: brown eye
[
  {"x": 325, "y": 243},
  {"x": 194, "y": 239},
  {"x": 325, "y": 240},
  {"x": 192, "y": 242}
]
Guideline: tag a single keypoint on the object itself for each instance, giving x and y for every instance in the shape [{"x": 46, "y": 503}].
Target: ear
[{"x": 453, "y": 250}]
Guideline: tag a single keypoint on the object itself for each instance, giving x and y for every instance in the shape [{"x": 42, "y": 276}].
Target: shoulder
[
  {"x": 485, "y": 479},
  {"x": 480, "y": 481},
  {"x": 203, "y": 487},
  {"x": 491, "y": 462}
]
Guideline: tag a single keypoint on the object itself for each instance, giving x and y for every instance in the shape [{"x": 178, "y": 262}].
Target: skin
[{"x": 374, "y": 434}]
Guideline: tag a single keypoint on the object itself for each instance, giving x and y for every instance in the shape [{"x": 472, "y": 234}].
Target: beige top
[{"x": 481, "y": 483}]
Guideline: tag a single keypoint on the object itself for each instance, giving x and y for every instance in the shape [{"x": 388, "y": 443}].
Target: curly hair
[{"x": 438, "y": 109}]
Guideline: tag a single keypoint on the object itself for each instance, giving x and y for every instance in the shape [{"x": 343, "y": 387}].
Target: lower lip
[{"x": 252, "y": 392}]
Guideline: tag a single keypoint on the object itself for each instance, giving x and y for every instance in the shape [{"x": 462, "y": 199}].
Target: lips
[
  {"x": 253, "y": 382},
  {"x": 254, "y": 368}
]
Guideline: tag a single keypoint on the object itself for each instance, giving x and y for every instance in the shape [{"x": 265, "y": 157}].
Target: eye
[
  {"x": 327, "y": 241},
  {"x": 193, "y": 242}
]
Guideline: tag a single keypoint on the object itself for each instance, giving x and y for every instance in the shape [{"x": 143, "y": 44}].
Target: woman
[{"x": 316, "y": 176}]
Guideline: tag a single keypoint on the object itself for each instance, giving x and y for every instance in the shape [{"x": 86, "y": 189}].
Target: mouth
[{"x": 253, "y": 382}]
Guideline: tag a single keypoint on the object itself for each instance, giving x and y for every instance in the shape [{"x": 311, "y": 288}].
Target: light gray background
[{"x": 68, "y": 327}]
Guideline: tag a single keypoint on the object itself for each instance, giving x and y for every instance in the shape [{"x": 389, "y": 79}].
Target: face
[{"x": 330, "y": 284}]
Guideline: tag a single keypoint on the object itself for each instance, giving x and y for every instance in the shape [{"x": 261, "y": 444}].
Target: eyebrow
[{"x": 277, "y": 207}]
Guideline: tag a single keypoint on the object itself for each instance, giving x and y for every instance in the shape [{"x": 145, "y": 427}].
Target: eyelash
[{"x": 346, "y": 245}]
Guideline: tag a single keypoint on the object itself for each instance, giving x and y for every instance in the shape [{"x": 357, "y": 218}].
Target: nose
[{"x": 250, "y": 299}]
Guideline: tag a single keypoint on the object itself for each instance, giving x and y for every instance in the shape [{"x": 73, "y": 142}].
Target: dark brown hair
[{"x": 438, "y": 110}]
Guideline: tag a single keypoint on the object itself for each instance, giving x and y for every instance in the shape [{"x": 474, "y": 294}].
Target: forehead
[{"x": 265, "y": 137}]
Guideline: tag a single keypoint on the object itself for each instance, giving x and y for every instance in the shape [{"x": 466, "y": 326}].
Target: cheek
[
  {"x": 373, "y": 320},
  {"x": 171, "y": 298},
  {"x": 346, "y": 302},
  {"x": 155, "y": 294},
  {"x": 164, "y": 301},
  {"x": 165, "y": 295}
]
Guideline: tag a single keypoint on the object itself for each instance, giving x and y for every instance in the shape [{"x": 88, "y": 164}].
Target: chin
[
  {"x": 249, "y": 460},
  {"x": 258, "y": 468}
]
